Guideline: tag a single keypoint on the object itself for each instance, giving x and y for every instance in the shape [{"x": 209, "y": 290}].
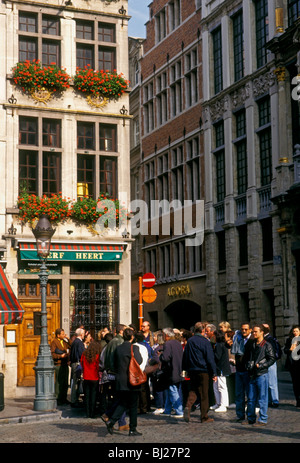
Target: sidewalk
[{"x": 20, "y": 410}]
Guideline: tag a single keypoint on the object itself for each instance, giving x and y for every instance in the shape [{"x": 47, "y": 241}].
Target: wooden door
[{"x": 29, "y": 337}]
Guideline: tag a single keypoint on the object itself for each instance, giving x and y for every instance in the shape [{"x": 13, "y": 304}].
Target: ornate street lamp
[{"x": 45, "y": 399}]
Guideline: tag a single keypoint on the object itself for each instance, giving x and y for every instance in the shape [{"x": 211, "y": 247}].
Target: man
[
  {"x": 209, "y": 333},
  {"x": 198, "y": 361},
  {"x": 128, "y": 395},
  {"x": 260, "y": 357},
  {"x": 171, "y": 363},
  {"x": 145, "y": 327},
  {"x": 242, "y": 378},
  {"x": 272, "y": 371},
  {"x": 60, "y": 354},
  {"x": 110, "y": 367},
  {"x": 77, "y": 349}
]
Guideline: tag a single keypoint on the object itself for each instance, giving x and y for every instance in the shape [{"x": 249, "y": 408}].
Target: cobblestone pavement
[
  {"x": 283, "y": 427},
  {"x": 20, "y": 424}
]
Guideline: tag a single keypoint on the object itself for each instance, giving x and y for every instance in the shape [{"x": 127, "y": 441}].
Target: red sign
[{"x": 149, "y": 280}]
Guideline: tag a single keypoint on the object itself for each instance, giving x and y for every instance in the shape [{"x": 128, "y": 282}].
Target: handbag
[{"x": 135, "y": 374}]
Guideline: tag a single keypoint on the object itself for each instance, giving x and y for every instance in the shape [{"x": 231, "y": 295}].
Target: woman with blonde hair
[{"x": 224, "y": 326}]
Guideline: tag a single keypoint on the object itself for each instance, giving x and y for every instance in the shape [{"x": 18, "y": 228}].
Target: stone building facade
[
  {"x": 245, "y": 120},
  {"x": 172, "y": 164},
  {"x": 66, "y": 144},
  {"x": 247, "y": 109}
]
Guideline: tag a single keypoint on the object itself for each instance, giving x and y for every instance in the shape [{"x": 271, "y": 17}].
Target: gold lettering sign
[{"x": 183, "y": 290}]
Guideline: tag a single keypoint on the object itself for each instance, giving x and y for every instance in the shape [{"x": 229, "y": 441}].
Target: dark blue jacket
[{"x": 198, "y": 356}]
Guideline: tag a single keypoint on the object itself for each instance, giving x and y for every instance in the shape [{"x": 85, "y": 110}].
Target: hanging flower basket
[
  {"x": 88, "y": 211},
  {"x": 32, "y": 206},
  {"x": 85, "y": 210},
  {"x": 102, "y": 85},
  {"x": 40, "y": 82}
]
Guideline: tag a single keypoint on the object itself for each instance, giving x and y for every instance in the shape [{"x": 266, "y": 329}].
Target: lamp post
[{"x": 45, "y": 399}]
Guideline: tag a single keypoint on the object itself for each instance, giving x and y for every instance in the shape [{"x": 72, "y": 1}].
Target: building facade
[
  {"x": 71, "y": 146},
  {"x": 248, "y": 139},
  {"x": 232, "y": 140},
  {"x": 172, "y": 164}
]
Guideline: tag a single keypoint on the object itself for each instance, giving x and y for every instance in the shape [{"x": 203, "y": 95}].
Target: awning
[
  {"x": 10, "y": 309},
  {"x": 80, "y": 252}
]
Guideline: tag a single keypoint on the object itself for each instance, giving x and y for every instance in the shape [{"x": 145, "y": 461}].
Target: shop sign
[{"x": 183, "y": 290}]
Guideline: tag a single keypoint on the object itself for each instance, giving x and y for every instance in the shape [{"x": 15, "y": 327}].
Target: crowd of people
[{"x": 210, "y": 368}]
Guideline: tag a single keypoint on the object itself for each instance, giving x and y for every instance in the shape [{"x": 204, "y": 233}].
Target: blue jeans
[
  {"x": 242, "y": 380},
  {"x": 273, "y": 384},
  {"x": 258, "y": 395},
  {"x": 173, "y": 400}
]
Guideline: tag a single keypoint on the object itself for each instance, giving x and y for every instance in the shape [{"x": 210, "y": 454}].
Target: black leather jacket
[{"x": 262, "y": 355}]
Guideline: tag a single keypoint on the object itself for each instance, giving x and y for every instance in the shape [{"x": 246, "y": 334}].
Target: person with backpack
[{"x": 272, "y": 371}]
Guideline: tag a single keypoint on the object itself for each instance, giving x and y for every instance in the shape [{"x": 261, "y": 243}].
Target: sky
[{"x": 139, "y": 12}]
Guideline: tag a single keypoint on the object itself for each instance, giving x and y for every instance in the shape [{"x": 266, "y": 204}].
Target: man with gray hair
[
  {"x": 171, "y": 361},
  {"x": 77, "y": 349}
]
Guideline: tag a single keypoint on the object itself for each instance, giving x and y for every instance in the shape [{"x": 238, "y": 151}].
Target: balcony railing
[
  {"x": 241, "y": 207},
  {"x": 265, "y": 203},
  {"x": 220, "y": 213}
]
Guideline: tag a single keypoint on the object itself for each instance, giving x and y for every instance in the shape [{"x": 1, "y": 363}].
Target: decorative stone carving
[
  {"x": 262, "y": 83},
  {"x": 239, "y": 96},
  {"x": 217, "y": 109}
]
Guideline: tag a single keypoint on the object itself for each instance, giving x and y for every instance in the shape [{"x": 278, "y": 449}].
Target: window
[
  {"x": 98, "y": 139},
  {"x": 39, "y": 166},
  {"x": 262, "y": 31},
  {"x": 108, "y": 137},
  {"x": 51, "y": 173},
  {"x": 191, "y": 79},
  {"x": 293, "y": 11},
  {"x": 177, "y": 175},
  {"x": 179, "y": 258},
  {"x": 217, "y": 60},
  {"x": 220, "y": 161},
  {"x": 195, "y": 259},
  {"x": 51, "y": 133},
  {"x": 28, "y": 131},
  {"x": 174, "y": 14},
  {"x": 90, "y": 48},
  {"x": 149, "y": 185},
  {"x": 163, "y": 179},
  {"x": 86, "y": 135},
  {"x": 193, "y": 169},
  {"x": 238, "y": 45},
  {"x": 176, "y": 89},
  {"x": 267, "y": 239},
  {"x": 108, "y": 176},
  {"x": 160, "y": 26},
  {"x": 35, "y": 30},
  {"x": 85, "y": 175},
  {"x": 151, "y": 261},
  {"x": 148, "y": 108},
  {"x": 164, "y": 261},
  {"x": 162, "y": 99},
  {"x": 265, "y": 142},
  {"x": 241, "y": 152}
]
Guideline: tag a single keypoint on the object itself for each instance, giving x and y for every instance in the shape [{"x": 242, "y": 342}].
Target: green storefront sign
[{"x": 87, "y": 256}]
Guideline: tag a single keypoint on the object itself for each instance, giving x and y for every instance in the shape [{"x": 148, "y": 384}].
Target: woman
[
  {"x": 128, "y": 394},
  {"x": 231, "y": 378},
  {"x": 87, "y": 339},
  {"x": 90, "y": 360},
  {"x": 159, "y": 392},
  {"x": 293, "y": 365},
  {"x": 223, "y": 370},
  {"x": 224, "y": 326}
]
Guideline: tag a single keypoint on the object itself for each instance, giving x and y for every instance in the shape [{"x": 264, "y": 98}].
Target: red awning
[{"x": 10, "y": 309}]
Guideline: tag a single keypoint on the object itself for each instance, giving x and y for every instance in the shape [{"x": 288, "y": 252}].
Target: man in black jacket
[
  {"x": 199, "y": 362},
  {"x": 171, "y": 362},
  {"x": 128, "y": 398},
  {"x": 77, "y": 348},
  {"x": 261, "y": 357}
]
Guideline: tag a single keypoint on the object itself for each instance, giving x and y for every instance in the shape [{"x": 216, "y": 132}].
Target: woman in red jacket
[{"x": 90, "y": 360}]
